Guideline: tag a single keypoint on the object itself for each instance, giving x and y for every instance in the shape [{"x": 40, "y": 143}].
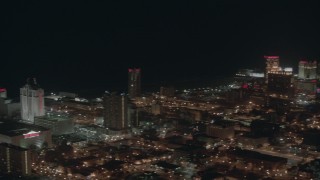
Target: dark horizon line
[{"x": 148, "y": 85}]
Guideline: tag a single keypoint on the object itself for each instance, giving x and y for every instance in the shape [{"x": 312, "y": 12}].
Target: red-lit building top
[
  {"x": 271, "y": 57},
  {"x": 134, "y": 70}
]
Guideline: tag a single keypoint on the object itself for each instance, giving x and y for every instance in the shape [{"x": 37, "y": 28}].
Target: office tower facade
[
  {"x": 133, "y": 115},
  {"x": 280, "y": 91},
  {"x": 134, "y": 82},
  {"x": 307, "y": 70},
  {"x": 115, "y": 111},
  {"x": 272, "y": 65},
  {"x": 32, "y": 101},
  {"x": 15, "y": 160},
  {"x": 280, "y": 84}
]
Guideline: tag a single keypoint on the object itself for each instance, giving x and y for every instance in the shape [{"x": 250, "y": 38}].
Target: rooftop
[
  {"x": 18, "y": 129},
  {"x": 247, "y": 154},
  {"x": 54, "y": 117}
]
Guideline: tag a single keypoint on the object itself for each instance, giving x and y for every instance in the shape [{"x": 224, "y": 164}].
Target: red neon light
[
  {"x": 134, "y": 70},
  {"x": 314, "y": 81},
  {"x": 3, "y": 89},
  {"x": 245, "y": 86},
  {"x": 271, "y": 57},
  {"x": 31, "y": 135}
]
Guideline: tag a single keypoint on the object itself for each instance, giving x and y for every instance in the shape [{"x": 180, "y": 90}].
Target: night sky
[{"x": 91, "y": 45}]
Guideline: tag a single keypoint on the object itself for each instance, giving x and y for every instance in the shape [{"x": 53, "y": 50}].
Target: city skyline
[
  {"x": 246, "y": 127},
  {"x": 149, "y": 84},
  {"x": 221, "y": 89}
]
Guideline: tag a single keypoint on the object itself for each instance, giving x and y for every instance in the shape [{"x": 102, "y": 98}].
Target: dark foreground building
[{"x": 14, "y": 160}]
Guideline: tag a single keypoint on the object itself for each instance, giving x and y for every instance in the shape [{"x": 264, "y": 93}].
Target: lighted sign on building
[
  {"x": 271, "y": 57},
  {"x": 31, "y": 134}
]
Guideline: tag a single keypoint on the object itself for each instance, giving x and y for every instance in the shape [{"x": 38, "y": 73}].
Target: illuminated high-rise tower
[
  {"x": 3, "y": 93},
  {"x": 31, "y": 100},
  {"x": 134, "y": 82},
  {"x": 307, "y": 70},
  {"x": 272, "y": 65}
]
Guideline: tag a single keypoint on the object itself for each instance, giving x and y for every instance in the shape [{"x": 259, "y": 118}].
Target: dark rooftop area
[
  {"x": 256, "y": 155},
  {"x": 166, "y": 165},
  {"x": 113, "y": 165},
  {"x": 17, "y": 128}
]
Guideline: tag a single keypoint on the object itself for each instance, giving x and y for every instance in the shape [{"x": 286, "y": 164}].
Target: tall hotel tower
[
  {"x": 272, "y": 65},
  {"x": 134, "y": 82},
  {"x": 307, "y": 70},
  {"x": 32, "y": 101},
  {"x": 115, "y": 111}
]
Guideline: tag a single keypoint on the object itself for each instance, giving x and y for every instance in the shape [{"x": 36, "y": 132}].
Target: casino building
[{"x": 25, "y": 135}]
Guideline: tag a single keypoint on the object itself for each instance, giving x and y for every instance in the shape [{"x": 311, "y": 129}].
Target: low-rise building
[
  {"x": 57, "y": 123},
  {"x": 8, "y": 107}
]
